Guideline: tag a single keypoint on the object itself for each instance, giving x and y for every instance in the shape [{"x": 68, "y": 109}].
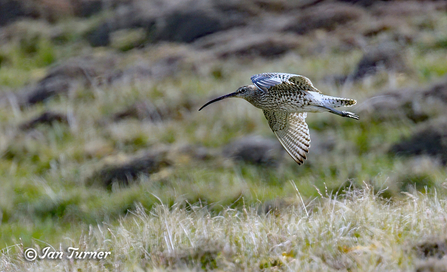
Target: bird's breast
[{"x": 288, "y": 102}]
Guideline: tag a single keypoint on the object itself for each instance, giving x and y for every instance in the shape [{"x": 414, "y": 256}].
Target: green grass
[
  {"x": 359, "y": 231},
  {"x": 210, "y": 214}
]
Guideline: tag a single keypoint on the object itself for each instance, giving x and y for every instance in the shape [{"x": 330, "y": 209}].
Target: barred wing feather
[{"x": 292, "y": 132}]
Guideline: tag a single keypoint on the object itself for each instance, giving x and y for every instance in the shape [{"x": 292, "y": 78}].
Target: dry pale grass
[
  {"x": 46, "y": 198},
  {"x": 357, "y": 231}
]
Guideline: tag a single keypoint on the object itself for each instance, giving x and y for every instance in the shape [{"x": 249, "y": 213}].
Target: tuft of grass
[
  {"x": 356, "y": 230},
  {"x": 213, "y": 213}
]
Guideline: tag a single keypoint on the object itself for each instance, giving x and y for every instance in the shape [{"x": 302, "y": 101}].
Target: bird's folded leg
[{"x": 342, "y": 113}]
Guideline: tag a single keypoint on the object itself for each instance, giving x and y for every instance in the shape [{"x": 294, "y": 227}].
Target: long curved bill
[{"x": 218, "y": 99}]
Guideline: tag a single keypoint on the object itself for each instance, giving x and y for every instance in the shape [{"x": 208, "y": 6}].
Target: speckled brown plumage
[{"x": 285, "y": 100}]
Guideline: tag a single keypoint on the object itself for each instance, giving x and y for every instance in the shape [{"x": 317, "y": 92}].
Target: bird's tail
[{"x": 335, "y": 102}]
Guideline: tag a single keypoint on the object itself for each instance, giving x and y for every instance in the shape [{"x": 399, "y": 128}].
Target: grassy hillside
[{"x": 102, "y": 147}]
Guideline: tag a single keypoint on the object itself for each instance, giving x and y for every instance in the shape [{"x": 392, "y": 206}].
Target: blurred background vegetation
[{"x": 99, "y": 104}]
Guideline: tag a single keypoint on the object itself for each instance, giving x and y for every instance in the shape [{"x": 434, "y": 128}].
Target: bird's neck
[{"x": 258, "y": 101}]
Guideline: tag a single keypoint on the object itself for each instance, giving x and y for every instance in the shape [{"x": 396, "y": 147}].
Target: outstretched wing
[
  {"x": 292, "y": 132},
  {"x": 266, "y": 81}
]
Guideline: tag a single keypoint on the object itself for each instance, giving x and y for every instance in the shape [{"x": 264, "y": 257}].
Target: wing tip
[
  {"x": 297, "y": 156},
  {"x": 299, "y": 160}
]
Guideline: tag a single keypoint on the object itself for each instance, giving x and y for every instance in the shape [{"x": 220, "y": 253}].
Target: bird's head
[{"x": 245, "y": 92}]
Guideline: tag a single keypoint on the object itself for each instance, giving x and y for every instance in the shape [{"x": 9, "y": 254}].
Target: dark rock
[
  {"x": 125, "y": 17},
  {"x": 381, "y": 57},
  {"x": 61, "y": 78},
  {"x": 229, "y": 44},
  {"x": 188, "y": 26},
  {"x": 187, "y": 23},
  {"x": 10, "y": 10},
  {"x": 87, "y": 8},
  {"x": 393, "y": 25},
  {"x": 100, "y": 36},
  {"x": 126, "y": 173},
  {"x": 430, "y": 140},
  {"x": 267, "y": 46},
  {"x": 432, "y": 247},
  {"x": 437, "y": 91},
  {"x": 400, "y": 9},
  {"x": 236, "y": 10},
  {"x": 197, "y": 152},
  {"x": 326, "y": 16},
  {"x": 159, "y": 69},
  {"x": 145, "y": 110},
  {"x": 183, "y": 21},
  {"x": 142, "y": 110},
  {"x": 397, "y": 105},
  {"x": 53, "y": 10},
  {"x": 164, "y": 61},
  {"x": 418, "y": 104},
  {"x": 255, "y": 150},
  {"x": 46, "y": 89},
  {"x": 83, "y": 69},
  {"x": 364, "y": 3},
  {"x": 46, "y": 118},
  {"x": 49, "y": 10}
]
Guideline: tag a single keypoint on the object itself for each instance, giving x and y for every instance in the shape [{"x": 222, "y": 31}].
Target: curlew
[{"x": 286, "y": 99}]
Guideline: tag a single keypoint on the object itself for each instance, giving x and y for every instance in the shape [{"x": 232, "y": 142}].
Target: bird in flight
[{"x": 285, "y": 100}]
